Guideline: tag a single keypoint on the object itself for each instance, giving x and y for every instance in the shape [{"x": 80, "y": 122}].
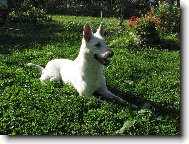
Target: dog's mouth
[{"x": 103, "y": 61}]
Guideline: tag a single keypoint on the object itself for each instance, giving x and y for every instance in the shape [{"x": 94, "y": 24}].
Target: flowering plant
[{"x": 145, "y": 26}]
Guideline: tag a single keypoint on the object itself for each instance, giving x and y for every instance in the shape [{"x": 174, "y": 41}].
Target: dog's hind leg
[{"x": 45, "y": 77}]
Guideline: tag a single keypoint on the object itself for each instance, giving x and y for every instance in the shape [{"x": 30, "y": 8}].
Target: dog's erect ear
[
  {"x": 87, "y": 32},
  {"x": 101, "y": 30}
]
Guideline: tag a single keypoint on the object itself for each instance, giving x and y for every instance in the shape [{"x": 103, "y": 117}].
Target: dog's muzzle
[{"x": 104, "y": 59}]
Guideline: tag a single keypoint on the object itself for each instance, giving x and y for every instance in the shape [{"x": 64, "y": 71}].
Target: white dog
[{"x": 85, "y": 73}]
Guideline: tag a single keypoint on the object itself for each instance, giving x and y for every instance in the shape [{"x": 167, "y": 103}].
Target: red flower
[
  {"x": 133, "y": 18},
  {"x": 137, "y": 22},
  {"x": 130, "y": 25}
]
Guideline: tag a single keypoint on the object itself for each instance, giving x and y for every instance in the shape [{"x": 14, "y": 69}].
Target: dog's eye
[{"x": 97, "y": 45}]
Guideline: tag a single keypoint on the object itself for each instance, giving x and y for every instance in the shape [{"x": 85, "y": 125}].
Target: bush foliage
[
  {"x": 29, "y": 15},
  {"x": 169, "y": 16},
  {"x": 144, "y": 27}
]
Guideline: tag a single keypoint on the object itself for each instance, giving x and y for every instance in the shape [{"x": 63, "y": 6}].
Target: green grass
[{"x": 137, "y": 73}]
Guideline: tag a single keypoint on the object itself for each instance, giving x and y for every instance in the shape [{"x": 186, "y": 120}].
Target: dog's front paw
[{"x": 29, "y": 64}]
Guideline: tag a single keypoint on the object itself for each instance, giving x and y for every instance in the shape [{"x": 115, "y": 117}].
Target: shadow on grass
[
  {"x": 170, "y": 44},
  {"x": 167, "y": 43},
  {"x": 160, "y": 108},
  {"x": 24, "y": 36}
]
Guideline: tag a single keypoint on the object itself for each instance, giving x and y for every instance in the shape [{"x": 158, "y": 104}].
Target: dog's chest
[
  {"x": 92, "y": 80},
  {"x": 88, "y": 75}
]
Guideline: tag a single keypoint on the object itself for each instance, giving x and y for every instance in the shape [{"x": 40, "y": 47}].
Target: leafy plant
[
  {"x": 30, "y": 15},
  {"x": 145, "y": 26},
  {"x": 169, "y": 16},
  {"x": 123, "y": 9}
]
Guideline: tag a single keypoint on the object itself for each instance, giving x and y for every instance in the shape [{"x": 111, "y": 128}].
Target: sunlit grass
[{"x": 138, "y": 73}]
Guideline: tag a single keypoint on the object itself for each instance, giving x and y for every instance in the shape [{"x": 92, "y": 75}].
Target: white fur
[{"x": 85, "y": 73}]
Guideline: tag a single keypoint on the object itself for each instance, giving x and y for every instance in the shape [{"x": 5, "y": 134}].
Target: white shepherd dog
[{"x": 85, "y": 73}]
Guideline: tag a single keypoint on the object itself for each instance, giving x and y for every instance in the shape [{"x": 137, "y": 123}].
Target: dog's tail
[{"x": 38, "y": 67}]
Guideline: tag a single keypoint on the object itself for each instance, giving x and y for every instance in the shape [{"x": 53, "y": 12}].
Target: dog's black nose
[{"x": 110, "y": 53}]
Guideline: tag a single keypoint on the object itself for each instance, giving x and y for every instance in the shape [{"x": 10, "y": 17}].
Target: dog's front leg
[
  {"x": 110, "y": 95},
  {"x": 106, "y": 93}
]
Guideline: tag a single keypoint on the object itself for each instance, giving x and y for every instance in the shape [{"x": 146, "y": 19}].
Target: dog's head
[{"x": 95, "y": 43}]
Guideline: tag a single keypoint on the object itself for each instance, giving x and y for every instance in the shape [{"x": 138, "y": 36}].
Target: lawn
[{"x": 137, "y": 73}]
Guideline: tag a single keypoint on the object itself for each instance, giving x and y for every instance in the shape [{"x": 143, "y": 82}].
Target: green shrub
[
  {"x": 31, "y": 15},
  {"x": 144, "y": 27},
  {"x": 169, "y": 16},
  {"x": 123, "y": 9}
]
